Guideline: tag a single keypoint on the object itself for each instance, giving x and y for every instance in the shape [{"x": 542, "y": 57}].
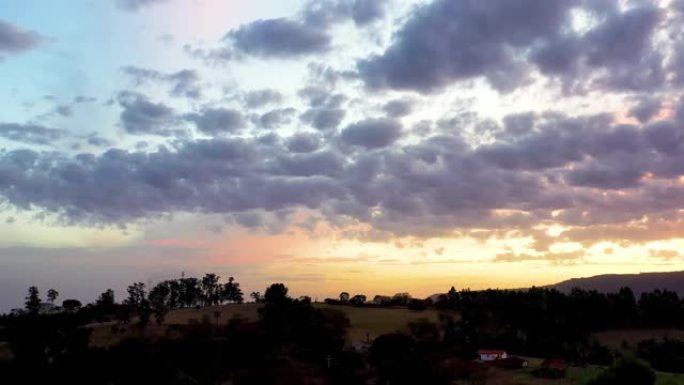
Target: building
[{"x": 488, "y": 355}]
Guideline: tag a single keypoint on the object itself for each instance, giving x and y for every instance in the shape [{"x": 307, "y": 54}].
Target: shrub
[{"x": 626, "y": 371}]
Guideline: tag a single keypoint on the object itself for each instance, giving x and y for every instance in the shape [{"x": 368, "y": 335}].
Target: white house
[{"x": 488, "y": 355}]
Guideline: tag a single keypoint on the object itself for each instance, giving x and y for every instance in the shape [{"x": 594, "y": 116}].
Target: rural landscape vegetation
[{"x": 207, "y": 331}]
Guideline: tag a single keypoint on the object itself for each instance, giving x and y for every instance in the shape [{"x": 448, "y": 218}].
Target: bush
[{"x": 626, "y": 371}]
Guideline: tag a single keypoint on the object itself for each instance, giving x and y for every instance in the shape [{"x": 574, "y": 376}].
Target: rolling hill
[{"x": 639, "y": 283}]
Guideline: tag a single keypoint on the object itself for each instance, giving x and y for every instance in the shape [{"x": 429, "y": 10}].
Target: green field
[{"x": 575, "y": 376}]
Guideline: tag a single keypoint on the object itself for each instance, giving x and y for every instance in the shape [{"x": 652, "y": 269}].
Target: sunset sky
[{"x": 369, "y": 146}]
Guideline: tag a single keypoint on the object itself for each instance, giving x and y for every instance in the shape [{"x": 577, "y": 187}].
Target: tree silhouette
[
  {"x": 256, "y": 296},
  {"x": 52, "y": 295},
  {"x": 231, "y": 292},
  {"x": 276, "y": 293},
  {"x": 33, "y": 300},
  {"x": 159, "y": 300},
  {"x": 190, "y": 291},
  {"x": 344, "y": 297},
  {"x": 136, "y": 295},
  {"x": 211, "y": 293},
  {"x": 106, "y": 299}
]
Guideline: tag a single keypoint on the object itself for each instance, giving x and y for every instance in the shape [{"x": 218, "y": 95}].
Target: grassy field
[
  {"x": 365, "y": 322},
  {"x": 377, "y": 321},
  {"x": 575, "y": 376},
  {"x": 614, "y": 338}
]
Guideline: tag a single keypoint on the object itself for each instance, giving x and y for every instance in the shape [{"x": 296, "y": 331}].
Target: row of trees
[
  {"x": 164, "y": 296},
  {"x": 543, "y": 322}
]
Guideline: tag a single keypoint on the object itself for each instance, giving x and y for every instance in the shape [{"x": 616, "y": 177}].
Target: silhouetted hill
[{"x": 639, "y": 283}]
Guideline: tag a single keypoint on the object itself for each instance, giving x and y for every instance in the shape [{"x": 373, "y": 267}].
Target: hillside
[
  {"x": 639, "y": 283},
  {"x": 365, "y": 322}
]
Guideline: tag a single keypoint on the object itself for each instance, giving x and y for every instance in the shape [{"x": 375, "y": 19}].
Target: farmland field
[
  {"x": 575, "y": 376},
  {"x": 365, "y": 322},
  {"x": 614, "y": 338}
]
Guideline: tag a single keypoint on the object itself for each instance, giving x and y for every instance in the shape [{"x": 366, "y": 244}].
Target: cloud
[
  {"x": 303, "y": 143},
  {"x": 30, "y": 133},
  {"x": 260, "y": 98},
  {"x": 446, "y": 41},
  {"x": 184, "y": 83},
  {"x": 560, "y": 258},
  {"x": 15, "y": 40},
  {"x": 142, "y": 116},
  {"x": 646, "y": 108},
  {"x": 275, "y": 118},
  {"x": 278, "y": 38},
  {"x": 323, "y": 13},
  {"x": 214, "y": 121},
  {"x": 372, "y": 133},
  {"x": 398, "y": 108},
  {"x": 324, "y": 118},
  {"x": 134, "y": 5}
]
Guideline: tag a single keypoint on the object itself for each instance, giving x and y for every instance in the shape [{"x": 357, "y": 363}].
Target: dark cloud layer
[
  {"x": 586, "y": 172},
  {"x": 504, "y": 41},
  {"x": 599, "y": 177}
]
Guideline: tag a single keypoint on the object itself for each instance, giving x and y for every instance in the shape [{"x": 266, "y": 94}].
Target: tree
[
  {"x": 626, "y": 371},
  {"x": 106, "y": 299},
  {"x": 256, "y": 296},
  {"x": 52, "y": 295},
  {"x": 190, "y": 291},
  {"x": 210, "y": 289},
  {"x": 344, "y": 297},
  {"x": 71, "y": 304},
  {"x": 159, "y": 300},
  {"x": 33, "y": 300},
  {"x": 136, "y": 295},
  {"x": 231, "y": 292},
  {"x": 276, "y": 293},
  {"x": 358, "y": 300}
]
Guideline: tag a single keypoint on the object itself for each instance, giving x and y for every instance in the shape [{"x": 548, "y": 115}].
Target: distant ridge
[{"x": 639, "y": 283}]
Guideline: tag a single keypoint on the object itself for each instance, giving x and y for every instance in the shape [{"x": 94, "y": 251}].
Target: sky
[{"x": 368, "y": 146}]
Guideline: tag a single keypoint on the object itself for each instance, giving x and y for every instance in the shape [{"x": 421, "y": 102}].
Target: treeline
[
  {"x": 546, "y": 322},
  {"x": 164, "y": 296},
  {"x": 292, "y": 342}
]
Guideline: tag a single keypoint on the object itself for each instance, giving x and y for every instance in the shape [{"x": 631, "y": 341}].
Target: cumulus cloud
[
  {"x": 372, "y": 133},
  {"x": 14, "y": 39},
  {"x": 275, "y": 118},
  {"x": 139, "y": 115},
  {"x": 30, "y": 133},
  {"x": 259, "y": 98},
  {"x": 184, "y": 83},
  {"x": 324, "y": 118},
  {"x": 646, "y": 108},
  {"x": 215, "y": 121},
  {"x": 279, "y": 38},
  {"x": 398, "y": 108},
  {"x": 303, "y": 143},
  {"x": 444, "y": 42}
]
